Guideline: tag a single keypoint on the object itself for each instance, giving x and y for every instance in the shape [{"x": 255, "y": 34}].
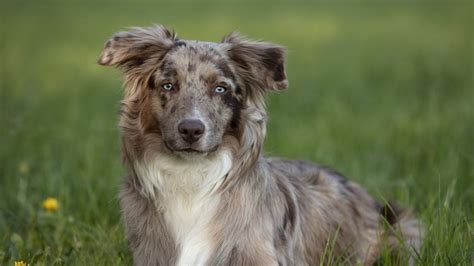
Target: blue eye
[
  {"x": 167, "y": 86},
  {"x": 220, "y": 89}
]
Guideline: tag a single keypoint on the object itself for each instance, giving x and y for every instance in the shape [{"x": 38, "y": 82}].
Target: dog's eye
[
  {"x": 167, "y": 86},
  {"x": 220, "y": 90}
]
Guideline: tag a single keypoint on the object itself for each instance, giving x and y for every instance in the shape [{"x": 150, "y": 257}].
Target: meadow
[{"x": 381, "y": 91}]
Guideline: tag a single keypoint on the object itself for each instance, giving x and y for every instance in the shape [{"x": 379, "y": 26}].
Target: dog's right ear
[{"x": 133, "y": 48}]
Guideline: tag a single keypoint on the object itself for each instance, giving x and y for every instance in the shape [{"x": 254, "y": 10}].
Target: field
[{"x": 381, "y": 91}]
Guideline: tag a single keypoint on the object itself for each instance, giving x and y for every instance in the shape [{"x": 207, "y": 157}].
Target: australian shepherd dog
[{"x": 200, "y": 192}]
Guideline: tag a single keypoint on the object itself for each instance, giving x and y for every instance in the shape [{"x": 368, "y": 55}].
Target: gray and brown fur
[{"x": 271, "y": 211}]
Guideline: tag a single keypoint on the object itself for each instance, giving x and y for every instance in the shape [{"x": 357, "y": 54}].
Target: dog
[{"x": 199, "y": 191}]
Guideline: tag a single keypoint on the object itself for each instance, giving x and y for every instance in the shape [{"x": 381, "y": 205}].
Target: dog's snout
[{"x": 191, "y": 130}]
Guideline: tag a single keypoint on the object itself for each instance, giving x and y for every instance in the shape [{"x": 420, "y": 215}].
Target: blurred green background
[{"x": 382, "y": 91}]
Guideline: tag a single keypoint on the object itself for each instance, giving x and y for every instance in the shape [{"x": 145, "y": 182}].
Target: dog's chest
[
  {"x": 191, "y": 222},
  {"x": 185, "y": 192}
]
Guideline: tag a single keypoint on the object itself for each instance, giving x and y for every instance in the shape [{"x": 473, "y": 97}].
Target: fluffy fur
[{"x": 215, "y": 200}]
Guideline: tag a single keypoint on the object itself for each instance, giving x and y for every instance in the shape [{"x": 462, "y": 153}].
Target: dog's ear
[
  {"x": 260, "y": 64},
  {"x": 133, "y": 48}
]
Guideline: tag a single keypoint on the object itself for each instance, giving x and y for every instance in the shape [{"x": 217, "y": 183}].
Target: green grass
[{"x": 381, "y": 91}]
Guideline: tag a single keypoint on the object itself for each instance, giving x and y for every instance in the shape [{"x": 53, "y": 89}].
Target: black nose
[{"x": 191, "y": 130}]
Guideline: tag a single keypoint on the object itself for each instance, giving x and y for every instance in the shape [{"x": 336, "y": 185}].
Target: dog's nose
[{"x": 191, "y": 130}]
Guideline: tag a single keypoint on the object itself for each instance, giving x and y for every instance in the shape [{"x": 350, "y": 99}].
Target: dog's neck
[{"x": 163, "y": 176}]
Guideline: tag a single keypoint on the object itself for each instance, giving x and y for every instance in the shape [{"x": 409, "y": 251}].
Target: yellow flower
[
  {"x": 51, "y": 204},
  {"x": 23, "y": 168},
  {"x": 21, "y": 263}
]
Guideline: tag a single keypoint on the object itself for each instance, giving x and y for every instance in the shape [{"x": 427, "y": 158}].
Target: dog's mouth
[{"x": 189, "y": 150}]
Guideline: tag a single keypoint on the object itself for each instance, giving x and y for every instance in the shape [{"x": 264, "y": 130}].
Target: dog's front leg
[
  {"x": 250, "y": 254},
  {"x": 240, "y": 244},
  {"x": 147, "y": 233}
]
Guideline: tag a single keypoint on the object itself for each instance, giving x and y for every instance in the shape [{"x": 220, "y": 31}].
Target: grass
[{"x": 380, "y": 91}]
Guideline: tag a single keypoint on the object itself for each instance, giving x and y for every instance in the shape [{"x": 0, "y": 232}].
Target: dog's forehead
[
  {"x": 193, "y": 58},
  {"x": 201, "y": 49}
]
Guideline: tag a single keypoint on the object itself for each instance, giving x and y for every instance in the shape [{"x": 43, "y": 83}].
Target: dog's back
[{"x": 337, "y": 218}]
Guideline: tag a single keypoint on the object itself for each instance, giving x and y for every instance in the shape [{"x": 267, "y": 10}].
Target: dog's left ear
[{"x": 260, "y": 64}]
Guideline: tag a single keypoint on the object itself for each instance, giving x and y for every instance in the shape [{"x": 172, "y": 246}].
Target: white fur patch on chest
[{"x": 184, "y": 189}]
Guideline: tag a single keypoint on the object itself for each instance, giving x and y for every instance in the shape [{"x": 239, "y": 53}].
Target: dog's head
[{"x": 188, "y": 97}]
